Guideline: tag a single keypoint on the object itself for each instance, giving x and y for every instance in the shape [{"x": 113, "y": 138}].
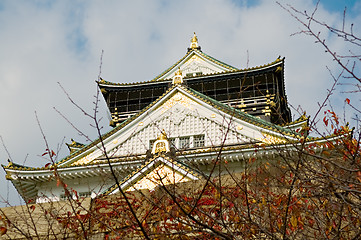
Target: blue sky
[
  {"x": 352, "y": 6},
  {"x": 44, "y": 42}
]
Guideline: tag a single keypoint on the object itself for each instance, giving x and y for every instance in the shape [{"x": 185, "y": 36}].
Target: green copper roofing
[
  {"x": 232, "y": 70},
  {"x": 158, "y": 78},
  {"x": 302, "y": 118},
  {"x": 217, "y": 61}
]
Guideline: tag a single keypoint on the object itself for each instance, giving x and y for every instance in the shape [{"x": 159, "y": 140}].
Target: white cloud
[{"x": 45, "y": 42}]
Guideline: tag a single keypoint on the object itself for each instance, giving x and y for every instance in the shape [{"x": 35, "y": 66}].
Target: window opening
[
  {"x": 151, "y": 143},
  {"x": 172, "y": 142},
  {"x": 198, "y": 141},
  {"x": 84, "y": 194},
  {"x": 63, "y": 197},
  {"x": 183, "y": 142}
]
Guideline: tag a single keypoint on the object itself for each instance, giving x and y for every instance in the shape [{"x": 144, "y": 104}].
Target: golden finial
[{"x": 194, "y": 41}]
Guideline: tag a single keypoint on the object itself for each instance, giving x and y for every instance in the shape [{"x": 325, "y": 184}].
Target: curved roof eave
[
  {"x": 242, "y": 147},
  {"x": 279, "y": 60}
]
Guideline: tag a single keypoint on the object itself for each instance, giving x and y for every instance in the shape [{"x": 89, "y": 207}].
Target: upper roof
[
  {"x": 211, "y": 77},
  {"x": 167, "y": 77},
  {"x": 195, "y": 61}
]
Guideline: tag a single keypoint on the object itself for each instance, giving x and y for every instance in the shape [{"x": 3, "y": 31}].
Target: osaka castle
[{"x": 176, "y": 124}]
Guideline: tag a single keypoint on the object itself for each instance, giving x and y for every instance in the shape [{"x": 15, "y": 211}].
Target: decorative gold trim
[
  {"x": 270, "y": 139},
  {"x": 177, "y": 98},
  {"x": 178, "y": 78},
  {"x": 161, "y": 144},
  {"x": 162, "y": 175}
]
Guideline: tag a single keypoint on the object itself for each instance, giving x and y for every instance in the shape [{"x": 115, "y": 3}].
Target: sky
[{"x": 50, "y": 45}]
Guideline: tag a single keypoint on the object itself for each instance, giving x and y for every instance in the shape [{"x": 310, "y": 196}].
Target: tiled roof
[
  {"x": 231, "y": 69},
  {"x": 103, "y": 82},
  {"x": 158, "y": 78}
]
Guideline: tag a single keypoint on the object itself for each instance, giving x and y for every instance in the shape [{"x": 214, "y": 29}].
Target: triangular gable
[
  {"x": 178, "y": 103},
  {"x": 195, "y": 62},
  {"x": 158, "y": 171}
]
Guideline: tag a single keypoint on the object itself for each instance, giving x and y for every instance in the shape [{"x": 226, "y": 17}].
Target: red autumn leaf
[
  {"x": 3, "y": 230},
  {"x": 347, "y": 100},
  {"x": 75, "y": 193},
  {"x": 32, "y": 207},
  {"x": 325, "y": 121},
  {"x": 58, "y": 182},
  {"x": 311, "y": 222}
]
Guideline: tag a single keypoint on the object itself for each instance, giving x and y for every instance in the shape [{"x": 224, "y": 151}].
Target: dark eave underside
[{"x": 259, "y": 92}]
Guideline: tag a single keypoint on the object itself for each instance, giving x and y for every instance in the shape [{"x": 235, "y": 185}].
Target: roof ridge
[
  {"x": 218, "y": 61},
  {"x": 171, "y": 67},
  {"x": 236, "y": 70}
]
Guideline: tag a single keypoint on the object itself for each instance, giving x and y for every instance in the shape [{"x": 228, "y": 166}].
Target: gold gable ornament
[
  {"x": 178, "y": 78},
  {"x": 162, "y": 136},
  {"x": 161, "y": 144}
]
